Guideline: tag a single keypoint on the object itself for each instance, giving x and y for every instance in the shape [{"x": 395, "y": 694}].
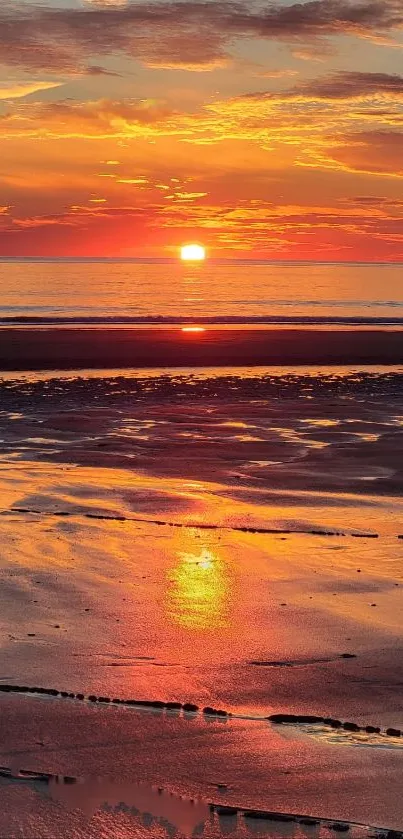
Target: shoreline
[{"x": 91, "y": 348}]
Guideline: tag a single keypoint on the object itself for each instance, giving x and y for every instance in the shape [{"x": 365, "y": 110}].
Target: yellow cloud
[
  {"x": 21, "y": 89},
  {"x": 186, "y": 196},
  {"x": 105, "y": 3},
  {"x": 136, "y": 181}
]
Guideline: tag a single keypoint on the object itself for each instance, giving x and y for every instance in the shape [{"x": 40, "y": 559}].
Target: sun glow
[
  {"x": 193, "y": 253},
  {"x": 193, "y": 329}
]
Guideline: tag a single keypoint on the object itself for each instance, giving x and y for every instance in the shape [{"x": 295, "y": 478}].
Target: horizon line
[{"x": 215, "y": 260}]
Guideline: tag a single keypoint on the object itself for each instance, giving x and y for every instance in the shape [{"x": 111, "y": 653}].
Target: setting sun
[{"x": 193, "y": 253}]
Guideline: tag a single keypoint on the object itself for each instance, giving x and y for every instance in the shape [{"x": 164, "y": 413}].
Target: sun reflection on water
[{"x": 198, "y": 593}]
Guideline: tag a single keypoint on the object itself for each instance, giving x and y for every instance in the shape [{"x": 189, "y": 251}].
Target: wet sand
[
  {"x": 239, "y": 764},
  {"x": 240, "y": 554},
  {"x": 66, "y": 348}
]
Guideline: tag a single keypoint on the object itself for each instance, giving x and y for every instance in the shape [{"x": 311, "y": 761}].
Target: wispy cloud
[
  {"x": 263, "y": 226},
  {"x": 343, "y": 85},
  {"x": 378, "y": 152},
  {"x": 21, "y": 89}
]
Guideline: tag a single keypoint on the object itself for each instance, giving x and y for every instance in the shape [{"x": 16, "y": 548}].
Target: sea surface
[{"x": 133, "y": 291}]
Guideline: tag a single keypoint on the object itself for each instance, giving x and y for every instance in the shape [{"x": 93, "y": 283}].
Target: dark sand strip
[
  {"x": 301, "y": 662},
  {"x": 191, "y": 709},
  {"x": 190, "y": 526},
  {"x": 80, "y": 348}
]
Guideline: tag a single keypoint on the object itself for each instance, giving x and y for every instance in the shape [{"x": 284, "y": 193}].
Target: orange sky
[{"x": 260, "y": 130}]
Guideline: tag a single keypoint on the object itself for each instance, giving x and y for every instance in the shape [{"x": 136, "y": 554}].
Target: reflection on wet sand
[
  {"x": 198, "y": 591},
  {"x": 152, "y": 803},
  {"x": 152, "y": 811},
  {"x": 336, "y": 432}
]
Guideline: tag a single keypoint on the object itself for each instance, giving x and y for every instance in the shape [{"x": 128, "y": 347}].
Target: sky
[{"x": 260, "y": 130}]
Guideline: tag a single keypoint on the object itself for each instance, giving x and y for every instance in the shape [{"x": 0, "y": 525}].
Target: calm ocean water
[{"x": 131, "y": 290}]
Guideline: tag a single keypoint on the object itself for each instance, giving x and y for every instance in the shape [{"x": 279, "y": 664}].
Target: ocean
[{"x": 133, "y": 291}]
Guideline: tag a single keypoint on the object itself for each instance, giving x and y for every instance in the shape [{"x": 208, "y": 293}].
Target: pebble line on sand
[
  {"x": 191, "y": 708},
  {"x": 221, "y": 809},
  {"x": 195, "y": 525}
]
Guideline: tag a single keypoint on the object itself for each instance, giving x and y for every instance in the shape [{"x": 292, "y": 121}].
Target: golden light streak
[{"x": 193, "y": 329}]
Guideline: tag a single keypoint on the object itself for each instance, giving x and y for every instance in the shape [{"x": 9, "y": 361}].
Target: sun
[{"x": 193, "y": 253}]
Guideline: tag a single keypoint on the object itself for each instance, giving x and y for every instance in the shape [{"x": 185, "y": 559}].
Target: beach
[{"x": 176, "y": 543}]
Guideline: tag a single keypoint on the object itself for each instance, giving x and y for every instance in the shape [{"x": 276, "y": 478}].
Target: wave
[{"x": 219, "y": 320}]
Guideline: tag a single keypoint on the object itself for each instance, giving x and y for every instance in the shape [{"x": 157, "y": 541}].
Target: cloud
[
  {"x": 376, "y": 201},
  {"x": 79, "y": 216},
  {"x": 342, "y": 85},
  {"x": 308, "y": 125},
  {"x": 244, "y": 216},
  {"x": 318, "y": 131},
  {"x": 267, "y": 228},
  {"x": 19, "y": 90},
  {"x": 355, "y": 85},
  {"x": 97, "y": 70},
  {"x": 186, "y": 196},
  {"x": 188, "y": 34},
  {"x": 275, "y": 74},
  {"x": 243, "y": 117},
  {"x": 105, "y": 3},
  {"x": 98, "y": 120},
  {"x": 378, "y": 152}
]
